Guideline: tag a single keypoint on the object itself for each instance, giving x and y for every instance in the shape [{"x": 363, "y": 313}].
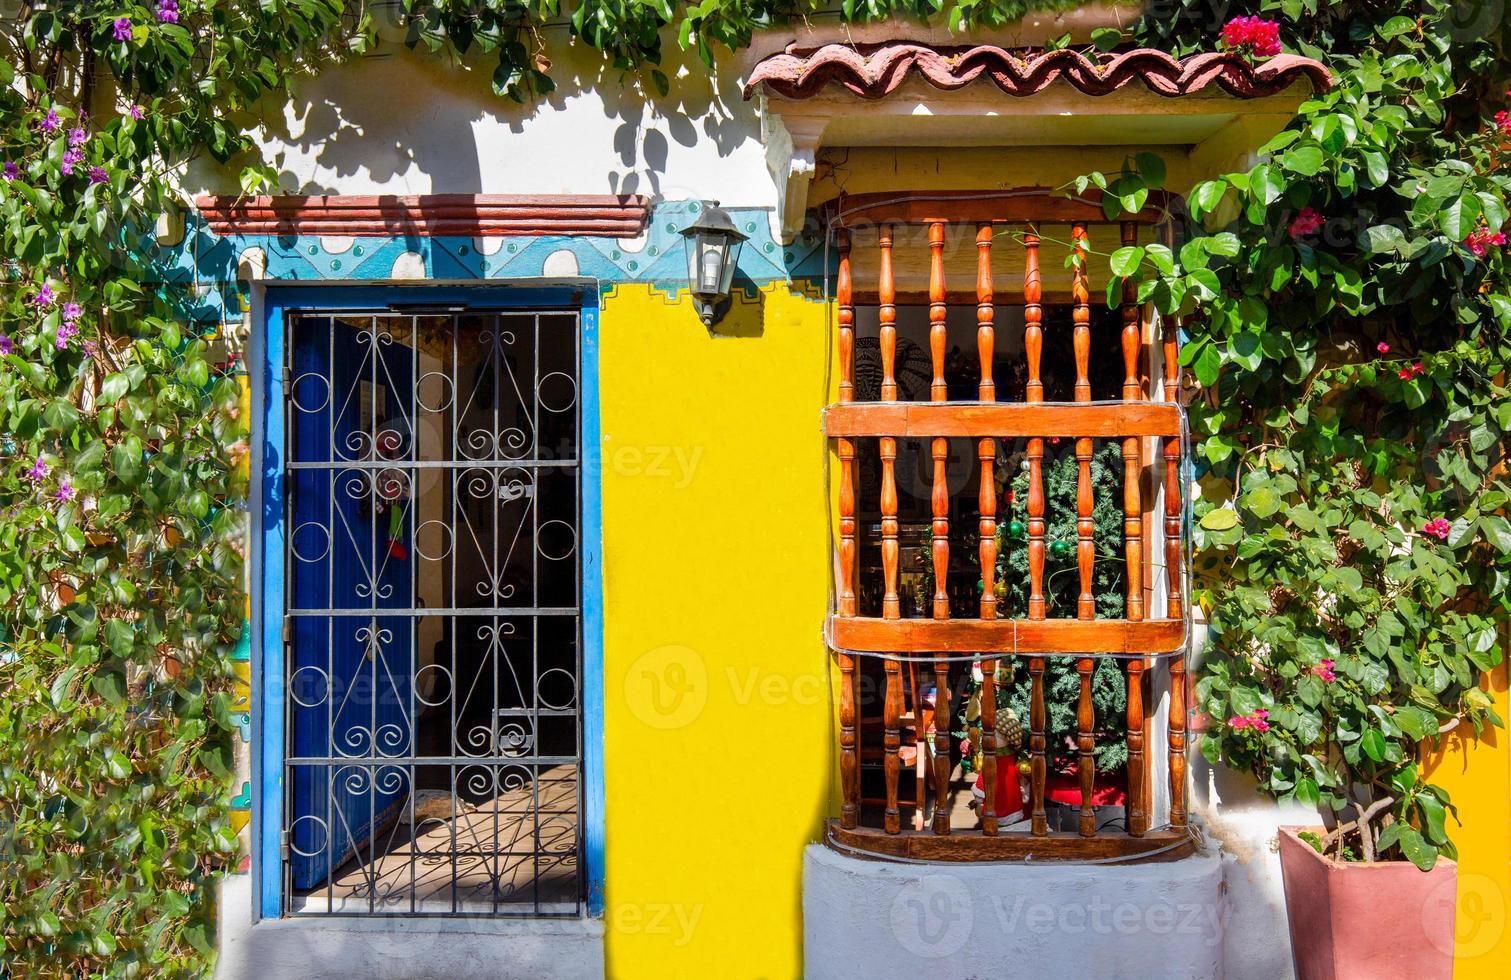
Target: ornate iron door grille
[{"x": 433, "y": 632}]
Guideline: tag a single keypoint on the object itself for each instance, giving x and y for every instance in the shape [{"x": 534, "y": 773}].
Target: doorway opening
[{"x": 433, "y": 629}]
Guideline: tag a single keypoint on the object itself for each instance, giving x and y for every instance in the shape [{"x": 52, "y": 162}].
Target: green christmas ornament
[
  {"x": 1059, "y": 549},
  {"x": 1016, "y": 529}
]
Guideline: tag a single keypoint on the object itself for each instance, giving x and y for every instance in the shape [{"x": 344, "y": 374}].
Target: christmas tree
[{"x": 1062, "y": 585}]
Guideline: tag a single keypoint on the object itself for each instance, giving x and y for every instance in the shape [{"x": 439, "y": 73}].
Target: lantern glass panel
[{"x": 727, "y": 276}]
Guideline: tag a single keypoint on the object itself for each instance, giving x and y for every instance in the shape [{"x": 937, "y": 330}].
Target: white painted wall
[{"x": 400, "y": 122}]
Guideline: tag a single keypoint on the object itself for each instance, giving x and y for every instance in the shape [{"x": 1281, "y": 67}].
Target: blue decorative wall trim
[{"x": 207, "y": 264}]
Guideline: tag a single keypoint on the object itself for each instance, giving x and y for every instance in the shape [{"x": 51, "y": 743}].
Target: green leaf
[
  {"x": 1151, "y": 166},
  {"x": 1373, "y": 744},
  {"x": 1220, "y": 519},
  {"x": 1417, "y": 850},
  {"x": 1125, "y": 261},
  {"x": 120, "y": 637},
  {"x": 1304, "y": 160},
  {"x": 1106, "y": 38}
]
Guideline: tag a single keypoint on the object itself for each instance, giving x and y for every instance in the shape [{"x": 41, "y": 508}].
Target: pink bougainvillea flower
[
  {"x": 12, "y": 171},
  {"x": 1480, "y": 240},
  {"x": 71, "y": 312},
  {"x": 1382, "y": 348},
  {"x": 64, "y": 491},
  {"x": 1438, "y": 527},
  {"x": 66, "y": 332},
  {"x": 1307, "y": 222},
  {"x": 44, "y": 297},
  {"x": 122, "y": 28},
  {"x": 70, "y": 158},
  {"x": 1258, "y": 721},
  {"x": 167, "y": 11},
  {"x": 1404, "y": 374},
  {"x": 49, "y": 123},
  {"x": 1417, "y": 369},
  {"x": 97, "y": 175},
  {"x": 1325, "y": 671},
  {"x": 1260, "y": 37},
  {"x": 39, "y": 471},
  {"x": 1503, "y": 120}
]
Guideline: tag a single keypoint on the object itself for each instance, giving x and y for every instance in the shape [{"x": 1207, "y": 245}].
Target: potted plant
[{"x": 1322, "y": 713}]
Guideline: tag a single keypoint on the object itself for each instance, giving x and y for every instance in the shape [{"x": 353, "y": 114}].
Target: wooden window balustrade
[{"x": 873, "y": 636}]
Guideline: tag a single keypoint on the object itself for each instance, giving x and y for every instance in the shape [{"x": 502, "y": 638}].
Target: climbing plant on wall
[
  {"x": 1348, "y": 314},
  {"x": 121, "y": 530}
]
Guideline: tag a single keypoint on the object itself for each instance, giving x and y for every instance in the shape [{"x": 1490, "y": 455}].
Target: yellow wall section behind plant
[
  {"x": 1477, "y": 774},
  {"x": 716, "y": 574}
]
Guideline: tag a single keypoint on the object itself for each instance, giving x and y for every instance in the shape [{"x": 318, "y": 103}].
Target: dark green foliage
[{"x": 1352, "y": 541}]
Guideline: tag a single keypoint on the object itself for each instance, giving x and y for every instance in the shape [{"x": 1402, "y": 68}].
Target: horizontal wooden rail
[
  {"x": 1165, "y": 845},
  {"x": 1020, "y": 636},
  {"x": 1002, "y": 420},
  {"x": 1037, "y": 205}
]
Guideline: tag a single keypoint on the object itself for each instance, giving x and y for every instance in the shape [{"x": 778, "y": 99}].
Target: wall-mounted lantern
[{"x": 713, "y": 252}]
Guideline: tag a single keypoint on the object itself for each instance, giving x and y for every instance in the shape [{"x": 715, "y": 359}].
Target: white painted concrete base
[
  {"x": 401, "y": 949},
  {"x": 879, "y": 919}
]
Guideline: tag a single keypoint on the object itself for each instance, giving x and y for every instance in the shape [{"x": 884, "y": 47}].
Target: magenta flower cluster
[
  {"x": 167, "y": 11},
  {"x": 122, "y": 28},
  {"x": 1307, "y": 222},
  {"x": 1438, "y": 527},
  {"x": 1257, "y": 36},
  {"x": 1481, "y": 239},
  {"x": 1259, "y": 721}
]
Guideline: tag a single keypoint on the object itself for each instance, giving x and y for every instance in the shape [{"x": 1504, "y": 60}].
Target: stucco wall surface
[
  {"x": 717, "y": 740},
  {"x": 880, "y": 919}
]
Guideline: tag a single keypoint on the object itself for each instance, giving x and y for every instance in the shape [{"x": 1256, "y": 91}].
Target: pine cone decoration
[{"x": 1009, "y": 731}]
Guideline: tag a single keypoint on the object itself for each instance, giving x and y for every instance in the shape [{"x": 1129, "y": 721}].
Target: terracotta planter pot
[{"x": 1354, "y": 921}]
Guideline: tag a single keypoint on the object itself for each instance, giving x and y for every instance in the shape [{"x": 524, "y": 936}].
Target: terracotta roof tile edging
[{"x": 873, "y": 71}]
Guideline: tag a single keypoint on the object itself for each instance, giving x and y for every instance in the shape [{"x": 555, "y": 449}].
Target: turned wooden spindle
[
  {"x": 891, "y": 604},
  {"x": 986, "y": 454},
  {"x": 891, "y": 744},
  {"x": 1086, "y": 746},
  {"x": 849, "y": 761},
  {"x": 1033, "y": 346},
  {"x": 847, "y": 490},
  {"x": 1175, "y": 600},
  {"x": 940, "y": 528},
  {"x": 1038, "y": 769},
  {"x": 1133, "y": 547},
  {"x": 1080, "y": 292}
]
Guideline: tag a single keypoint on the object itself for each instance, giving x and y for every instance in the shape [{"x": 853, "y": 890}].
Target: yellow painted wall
[
  {"x": 716, "y": 558},
  {"x": 1477, "y": 774}
]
